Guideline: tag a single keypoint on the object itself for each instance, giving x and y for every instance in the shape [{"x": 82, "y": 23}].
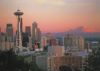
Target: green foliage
[
  {"x": 11, "y": 62},
  {"x": 34, "y": 67},
  {"x": 94, "y": 61}
]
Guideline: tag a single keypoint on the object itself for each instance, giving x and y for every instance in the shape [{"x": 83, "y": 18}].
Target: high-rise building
[
  {"x": 68, "y": 40},
  {"x": 9, "y": 36},
  {"x": 57, "y": 61},
  {"x": 36, "y": 33},
  {"x": 28, "y": 30},
  {"x": 36, "y": 37},
  {"x": 51, "y": 39},
  {"x": 43, "y": 42},
  {"x": 56, "y": 51},
  {"x": 2, "y": 39},
  {"x": 9, "y": 32},
  {"x": 60, "y": 41},
  {"x": 30, "y": 43},
  {"x": 73, "y": 42},
  {"x": 65, "y": 63},
  {"x": 25, "y": 40},
  {"x": 39, "y": 34}
]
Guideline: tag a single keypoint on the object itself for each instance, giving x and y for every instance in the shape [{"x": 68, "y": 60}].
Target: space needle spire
[{"x": 19, "y": 14}]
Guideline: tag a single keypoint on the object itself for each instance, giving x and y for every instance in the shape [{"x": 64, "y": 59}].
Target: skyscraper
[
  {"x": 68, "y": 40},
  {"x": 3, "y": 41},
  {"x": 9, "y": 36},
  {"x": 36, "y": 33},
  {"x": 28, "y": 30},
  {"x": 9, "y": 32}
]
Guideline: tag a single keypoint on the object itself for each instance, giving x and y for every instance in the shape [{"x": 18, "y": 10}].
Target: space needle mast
[{"x": 19, "y": 14}]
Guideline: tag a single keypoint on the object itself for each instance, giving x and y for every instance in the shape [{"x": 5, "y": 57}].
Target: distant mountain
[
  {"x": 80, "y": 31},
  {"x": 77, "y": 30}
]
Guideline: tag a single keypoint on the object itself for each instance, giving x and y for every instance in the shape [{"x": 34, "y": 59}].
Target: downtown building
[
  {"x": 72, "y": 41},
  {"x": 56, "y": 59},
  {"x": 2, "y": 41},
  {"x": 48, "y": 40},
  {"x": 43, "y": 60},
  {"x": 36, "y": 36},
  {"x": 6, "y": 39},
  {"x": 28, "y": 30},
  {"x": 9, "y": 36},
  {"x": 28, "y": 34}
]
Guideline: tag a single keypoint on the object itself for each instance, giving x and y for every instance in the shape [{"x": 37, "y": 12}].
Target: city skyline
[
  {"x": 53, "y": 15},
  {"x": 49, "y": 35}
]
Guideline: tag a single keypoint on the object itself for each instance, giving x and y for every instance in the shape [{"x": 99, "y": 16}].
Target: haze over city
[
  {"x": 53, "y": 15},
  {"x": 49, "y": 35}
]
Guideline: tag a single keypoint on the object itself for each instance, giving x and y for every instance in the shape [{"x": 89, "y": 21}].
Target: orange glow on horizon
[{"x": 52, "y": 15}]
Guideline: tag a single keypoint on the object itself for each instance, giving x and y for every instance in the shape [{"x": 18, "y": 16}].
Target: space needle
[{"x": 19, "y": 14}]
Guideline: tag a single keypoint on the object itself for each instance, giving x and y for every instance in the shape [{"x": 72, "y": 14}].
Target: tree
[
  {"x": 93, "y": 61},
  {"x": 11, "y": 62},
  {"x": 34, "y": 67},
  {"x": 65, "y": 68}
]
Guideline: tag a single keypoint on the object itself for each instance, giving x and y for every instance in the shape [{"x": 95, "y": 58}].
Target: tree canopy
[
  {"x": 94, "y": 60},
  {"x": 11, "y": 62}
]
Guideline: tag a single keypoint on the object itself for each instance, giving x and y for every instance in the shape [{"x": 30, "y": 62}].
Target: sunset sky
[{"x": 53, "y": 15}]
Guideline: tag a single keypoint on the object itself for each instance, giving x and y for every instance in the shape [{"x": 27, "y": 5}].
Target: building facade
[
  {"x": 74, "y": 63},
  {"x": 28, "y": 30}
]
